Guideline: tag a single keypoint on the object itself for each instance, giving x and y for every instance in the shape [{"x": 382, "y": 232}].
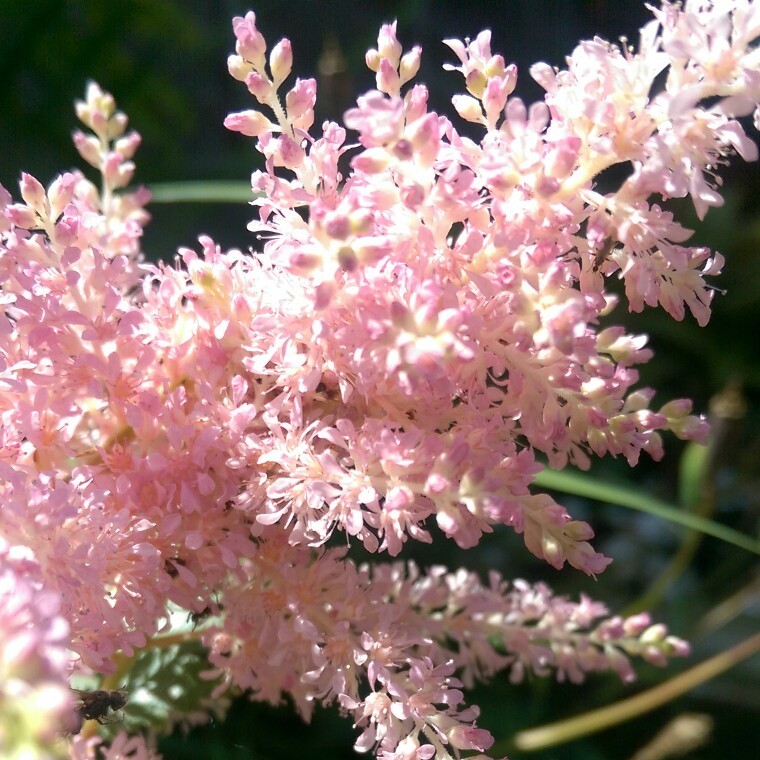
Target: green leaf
[
  {"x": 633, "y": 497},
  {"x": 691, "y": 475},
  {"x": 165, "y": 686}
]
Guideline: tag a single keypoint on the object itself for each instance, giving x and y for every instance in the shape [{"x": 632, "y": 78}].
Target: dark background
[{"x": 165, "y": 62}]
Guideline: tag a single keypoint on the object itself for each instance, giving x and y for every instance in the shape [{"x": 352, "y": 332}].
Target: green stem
[
  {"x": 211, "y": 191},
  {"x": 696, "y": 492},
  {"x": 552, "y": 734},
  {"x": 627, "y": 496}
]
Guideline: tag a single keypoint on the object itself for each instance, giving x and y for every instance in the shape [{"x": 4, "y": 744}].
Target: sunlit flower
[{"x": 412, "y": 341}]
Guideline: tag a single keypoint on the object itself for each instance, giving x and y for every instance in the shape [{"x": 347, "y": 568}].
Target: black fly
[{"x": 100, "y": 705}]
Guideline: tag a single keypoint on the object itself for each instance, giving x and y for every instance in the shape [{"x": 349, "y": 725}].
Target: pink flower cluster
[
  {"x": 34, "y": 665},
  {"x": 123, "y": 747},
  {"x": 412, "y": 338}
]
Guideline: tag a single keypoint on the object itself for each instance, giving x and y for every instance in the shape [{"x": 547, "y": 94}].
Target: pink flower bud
[
  {"x": 676, "y": 408},
  {"x": 126, "y": 172},
  {"x": 470, "y": 737},
  {"x": 281, "y": 61},
  {"x": 259, "y": 86},
  {"x": 635, "y": 625},
  {"x": 337, "y": 225},
  {"x": 361, "y": 221},
  {"x": 291, "y": 153},
  {"x": 639, "y": 400},
  {"x": 304, "y": 262},
  {"x": 372, "y": 59},
  {"x": 84, "y": 113},
  {"x": 544, "y": 75},
  {"x": 401, "y": 317},
  {"x": 99, "y": 99},
  {"x": 347, "y": 259},
  {"x": 22, "y": 216},
  {"x": 301, "y": 98},
  {"x": 98, "y": 123},
  {"x": 654, "y": 656},
  {"x": 410, "y": 64},
  {"x": 238, "y": 68},
  {"x": 60, "y": 193},
  {"x": 495, "y": 98},
  {"x": 468, "y": 108},
  {"x": 324, "y": 294},
  {"x": 388, "y": 45},
  {"x": 249, "y": 123},
  {"x": 370, "y": 250},
  {"x": 250, "y": 42},
  {"x": 116, "y": 125},
  {"x": 403, "y": 150},
  {"x": 510, "y": 76},
  {"x": 692, "y": 428},
  {"x": 88, "y": 147},
  {"x": 562, "y": 158},
  {"x": 112, "y": 170},
  {"x": 128, "y": 145},
  {"x": 33, "y": 194},
  {"x": 387, "y": 78},
  {"x": 654, "y": 634},
  {"x": 675, "y": 647},
  {"x": 299, "y": 103},
  {"x": 496, "y": 66},
  {"x": 424, "y": 136},
  {"x": 475, "y": 82},
  {"x": 552, "y": 550},
  {"x": 577, "y": 530},
  {"x": 436, "y": 483},
  {"x": 547, "y": 186},
  {"x": 412, "y": 195},
  {"x": 372, "y": 161}
]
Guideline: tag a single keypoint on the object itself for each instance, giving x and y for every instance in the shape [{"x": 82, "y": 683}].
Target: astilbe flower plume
[
  {"x": 409, "y": 341},
  {"x": 34, "y": 700}
]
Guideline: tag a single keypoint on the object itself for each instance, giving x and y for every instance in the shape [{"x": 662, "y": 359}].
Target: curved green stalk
[
  {"x": 697, "y": 496},
  {"x": 580, "y": 484},
  {"x": 212, "y": 191},
  {"x": 552, "y": 734}
]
